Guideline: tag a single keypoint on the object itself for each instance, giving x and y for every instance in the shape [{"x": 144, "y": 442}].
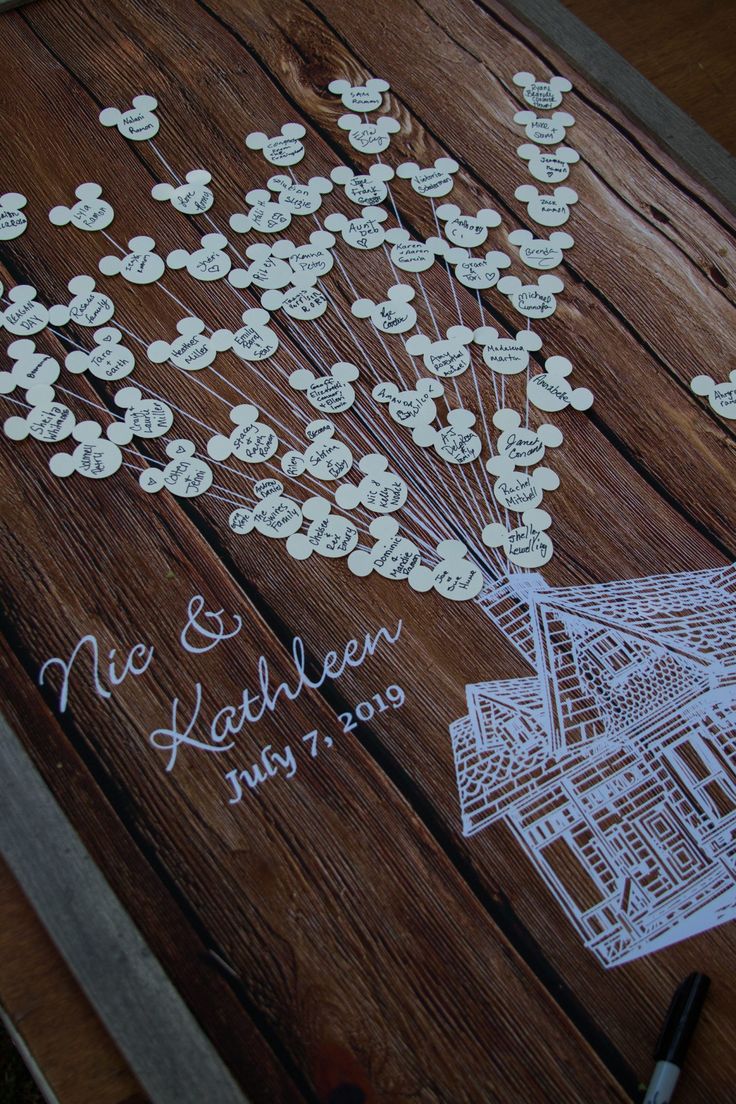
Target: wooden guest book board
[{"x": 334, "y": 934}]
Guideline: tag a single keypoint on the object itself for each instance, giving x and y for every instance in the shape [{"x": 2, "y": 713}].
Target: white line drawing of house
[{"x": 615, "y": 764}]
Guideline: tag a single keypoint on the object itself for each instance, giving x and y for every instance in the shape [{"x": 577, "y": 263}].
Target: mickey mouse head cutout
[
  {"x": 367, "y": 190},
  {"x": 392, "y": 556},
  {"x": 140, "y": 266},
  {"x": 444, "y": 358},
  {"x": 303, "y": 302},
  {"x": 87, "y": 307},
  {"x": 365, "y": 232},
  {"x": 520, "y": 491},
  {"x": 209, "y": 262},
  {"x": 547, "y": 210},
  {"x": 544, "y": 95},
  {"x": 431, "y": 182},
  {"x": 275, "y": 516},
  {"x": 721, "y": 396},
  {"x": 413, "y": 407},
  {"x": 328, "y": 534},
  {"x": 314, "y": 257},
  {"x": 525, "y": 546},
  {"x": 47, "y": 420},
  {"x": 411, "y": 255},
  {"x": 146, "y": 418},
  {"x": 544, "y": 132},
  {"x": 185, "y": 476},
  {"x": 467, "y": 231},
  {"x": 265, "y": 216},
  {"x": 138, "y": 123},
  {"x": 300, "y": 199},
  {"x": 284, "y": 150},
  {"x": 254, "y": 340},
  {"x": 360, "y": 97},
  {"x": 380, "y": 491},
  {"x": 506, "y": 355},
  {"x": 90, "y": 212},
  {"x": 109, "y": 360},
  {"x": 267, "y": 270},
  {"x": 95, "y": 457},
  {"x": 324, "y": 458},
  {"x": 532, "y": 300},
  {"x": 251, "y": 441},
  {"x": 523, "y": 446},
  {"x": 457, "y": 442},
  {"x": 538, "y": 253},
  {"x": 369, "y": 137},
  {"x": 394, "y": 315},
  {"x": 30, "y": 367},
  {"x": 550, "y": 391},
  {"x": 24, "y": 316},
  {"x": 12, "y": 220},
  {"x": 454, "y": 577},
  {"x": 191, "y": 198},
  {"x": 477, "y": 273},
  {"x": 333, "y": 393},
  {"x": 549, "y": 167},
  {"x": 191, "y": 350}
]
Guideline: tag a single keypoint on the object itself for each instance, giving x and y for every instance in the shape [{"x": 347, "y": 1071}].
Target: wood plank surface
[{"x": 368, "y": 943}]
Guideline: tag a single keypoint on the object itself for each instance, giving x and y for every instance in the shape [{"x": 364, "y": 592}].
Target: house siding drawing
[{"x": 615, "y": 764}]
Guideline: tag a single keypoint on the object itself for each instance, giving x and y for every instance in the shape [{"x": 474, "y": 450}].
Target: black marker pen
[{"x": 677, "y": 1031}]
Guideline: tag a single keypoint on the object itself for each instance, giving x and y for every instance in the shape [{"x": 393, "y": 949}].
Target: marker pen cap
[{"x": 681, "y": 1020}]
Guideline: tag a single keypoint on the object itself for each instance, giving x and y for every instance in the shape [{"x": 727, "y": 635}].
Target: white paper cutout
[
  {"x": 520, "y": 490},
  {"x": 303, "y": 302},
  {"x": 192, "y": 350},
  {"x": 549, "y": 167},
  {"x": 477, "y": 273},
  {"x": 192, "y": 198},
  {"x": 369, "y": 137},
  {"x": 284, "y": 150},
  {"x": 547, "y": 210},
  {"x": 360, "y": 97},
  {"x": 328, "y": 535},
  {"x": 255, "y": 340},
  {"x": 506, "y": 355},
  {"x": 457, "y": 442},
  {"x": 265, "y": 215},
  {"x": 47, "y": 420},
  {"x": 24, "y": 316},
  {"x": 367, "y": 190},
  {"x": 467, "y": 231},
  {"x": 550, "y": 391},
  {"x": 444, "y": 358},
  {"x": 413, "y": 407},
  {"x": 185, "y": 476},
  {"x": 209, "y": 262},
  {"x": 268, "y": 269},
  {"x": 455, "y": 577},
  {"x": 251, "y": 441},
  {"x": 544, "y": 95},
  {"x": 331, "y": 394},
  {"x": 30, "y": 368},
  {"x": 392, "y": 556},
  {"x": 528, "y": 545},
  {"x": 431, "y": 182},
  {"x": 324, "y": 458},
  {"x": 140, "y": 266},
  {"x": 545, "y": 132},
  {"x": 394, "y": 315},
  {"x": 381, "y": 491},
  {"x": 365, "y": 232},
  {"x": 532, "y": 300},
  {"x": 275, "y": 516},
  {"x": 91, "y": 212},
  {"x": 147, "y": 418},
  {"x": 411, "y": 255},
  {"x": 138, "y": 123},
  {"x": 314, "y": 258},
  {"x": 87, "y": 308},
  {"x": 95, "y": 457},
  {"x": 300, "y": 199},
  {"x": 12, "y": 220},
  {"x": 109, "y": 360},
  {"x": 522, "y": 445},
  {"x": 538, "y": 253},
  {"x": 721, "y": 396}
]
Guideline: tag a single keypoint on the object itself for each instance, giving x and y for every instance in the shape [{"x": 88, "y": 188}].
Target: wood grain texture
[{"x": 373, "y": 945}]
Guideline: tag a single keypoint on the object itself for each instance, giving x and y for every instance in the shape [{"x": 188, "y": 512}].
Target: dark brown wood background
[{"x": 372, "y": 950}]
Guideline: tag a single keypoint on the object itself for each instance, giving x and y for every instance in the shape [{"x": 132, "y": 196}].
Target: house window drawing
[{"x": 614, "y": 765}]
